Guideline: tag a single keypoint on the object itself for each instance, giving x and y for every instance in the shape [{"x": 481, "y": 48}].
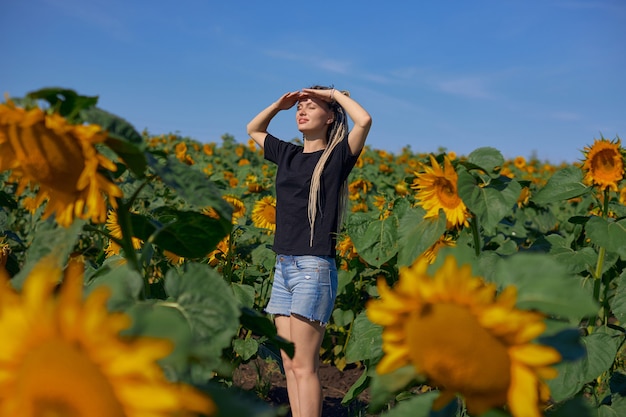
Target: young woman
[{"x": 311, "y": 191}]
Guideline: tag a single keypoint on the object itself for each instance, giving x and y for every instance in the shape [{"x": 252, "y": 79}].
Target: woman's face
[{"x": 313, "y": 115}]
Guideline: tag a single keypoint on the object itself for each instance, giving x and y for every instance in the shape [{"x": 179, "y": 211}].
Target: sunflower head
[
  {"x": 604, "y": 164},
  {"x": 437, "y": 190},
  {"x": 464, "y": 338},
  {"x": 264, "y": 213},
  {"x": 60, "y": 159},
  {"x": 63, "y": 355}
]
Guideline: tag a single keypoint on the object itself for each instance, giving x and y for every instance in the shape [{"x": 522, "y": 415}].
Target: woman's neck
[{"x": 314, "y": 145}]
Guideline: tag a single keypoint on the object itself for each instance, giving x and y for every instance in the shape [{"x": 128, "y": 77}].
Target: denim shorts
[{"x": 304, "y": 285}]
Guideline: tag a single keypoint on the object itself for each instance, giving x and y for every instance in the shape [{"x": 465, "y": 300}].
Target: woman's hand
[
  {"x": 288, "y": 100},
  {"x": 322, "y": 94}
]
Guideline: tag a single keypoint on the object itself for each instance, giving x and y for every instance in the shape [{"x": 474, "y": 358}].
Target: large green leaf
[
  {"x": 601, "y": 350},
  {"x": 618, "y": 301},
  {"x": 153, "y": 319},
  {"x": 188, "y": 234},
  {"x": 491, "y": 202},
  {"x": 608, "y": 233},
  {"x": 418, "y": 234},
  {"x": 208, "y": 305},
  {"x": 66, "y": 102},
  {"x": 365, "y": 340},
  {"x": 574, "y": 260},
  {"x": 376, "y": 241},
  {"x": 562, "y": 185},
  {"x": 544, "y": 284},
  {"x": 487, "y": 159}
]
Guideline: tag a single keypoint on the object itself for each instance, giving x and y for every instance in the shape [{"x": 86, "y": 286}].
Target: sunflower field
[{"x": 134, "y": 270}]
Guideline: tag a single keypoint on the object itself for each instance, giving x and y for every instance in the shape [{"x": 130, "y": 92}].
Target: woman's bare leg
[
  {"x": 283, "y": 327},
  {"x": 303, "y": 383}
]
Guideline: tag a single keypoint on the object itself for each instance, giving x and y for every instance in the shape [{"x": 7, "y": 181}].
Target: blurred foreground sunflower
[
  {"x": 604, "y": 164},
  {"x": 45, "y": 151},
  {"x": 264, "y": 213},
  {"x": 455, "y": 330},
  {"x": 63, "y": 356},
  {"x": 437, "y": 190}
]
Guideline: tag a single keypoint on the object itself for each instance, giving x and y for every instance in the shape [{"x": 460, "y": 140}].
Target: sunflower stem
[
  {"x": 475, "y": 234},
  {"x": 601, "y": 254}
]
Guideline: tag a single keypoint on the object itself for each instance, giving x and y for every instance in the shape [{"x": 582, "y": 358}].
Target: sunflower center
[
  {"x": 604, "y": 163},
  {"x": 446, "y": 193},
  {"x": 269, "y": 214},
  {"x": 448, "y": 343},
  {"x": 57, "y": 379}
]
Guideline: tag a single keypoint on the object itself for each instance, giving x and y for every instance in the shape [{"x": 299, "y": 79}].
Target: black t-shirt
[{"x": 293, "y": 180}]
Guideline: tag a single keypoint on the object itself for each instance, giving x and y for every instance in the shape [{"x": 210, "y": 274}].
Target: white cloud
[{"x": 471, "y": 87}]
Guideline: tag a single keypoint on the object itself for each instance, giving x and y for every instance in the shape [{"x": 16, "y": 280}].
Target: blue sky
[{"x": 537, "y": 78}]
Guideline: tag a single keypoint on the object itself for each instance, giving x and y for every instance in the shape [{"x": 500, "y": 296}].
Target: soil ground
[{"x": 266, "y": 380}]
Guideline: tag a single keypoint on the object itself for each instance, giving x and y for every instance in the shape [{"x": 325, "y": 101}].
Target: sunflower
[
  {"x": 44, "y": 150},
  {"x": 5, "y": 250},
  {"x": 519, "y": 162},
  {"x": 437, "y": 190},
  {"x": 454, "y": 330},
  {"x": 63, "y": 356},
  {"x": 220, "y": 251},
  {"x": 604, "y": 164},
  {"x": 264, "y": 213},
  {"x": 430, "y": 254},
  {"x": 239, "y": 208},
  {"x": 115, "y": 230}
]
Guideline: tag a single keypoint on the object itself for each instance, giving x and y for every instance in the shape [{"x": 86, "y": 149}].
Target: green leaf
[
  {"x": 490, "y": 203},
  {"x": 262, "y": 326},
  {"x": 208, "y": 305},
  {"x": 365, "y": 340},
  {"x": 66, "y": 102},
  {"x": 544, "y": 284},
  {"x": 608, "y": 233},
  {"x": 122, "y": 138},
  {"x": 191, "y": 185},
  {"x": 418, "y": 234},
  {"x": 246, "y": 348},
  {"x": 574, "y": 260},
  {"x": 50, "y": 240},
  {"x": 618, "y": 301},
  {"x": 124, "y": 282},
  {"x": 384, "y": 387},
  {"x": 416, "y": 406},
  {"x": 343, "y": 318},
  {"x": 562, "y": 185},
  {"x": 153, "y": 319},
  {"x": 357, "y": 388},
  {"x": 244, "y": 294},
  {"x": 377, "y": 241},
  {"x": 601, "y": 350},
  {"x": 188, "y": 234},
  {"x": 574, "y": 407},
  {"x": 487, "y": 159}
]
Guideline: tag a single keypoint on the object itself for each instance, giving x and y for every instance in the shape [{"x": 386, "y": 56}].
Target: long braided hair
[{"x": 336, "y": 132}]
